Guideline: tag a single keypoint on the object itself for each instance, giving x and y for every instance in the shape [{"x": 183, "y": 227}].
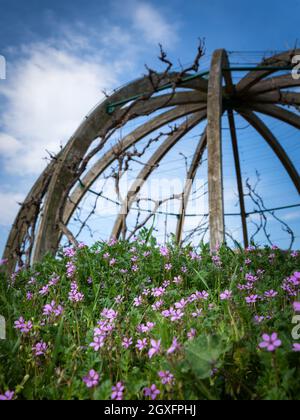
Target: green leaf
[
  {"x": 201, "y": 277},
  {"x": 205, "y": 353},
  {"x": 103, "y": 392}
]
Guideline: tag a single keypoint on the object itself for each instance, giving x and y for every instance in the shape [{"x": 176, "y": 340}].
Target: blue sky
[{"x": 62, "y": 54}]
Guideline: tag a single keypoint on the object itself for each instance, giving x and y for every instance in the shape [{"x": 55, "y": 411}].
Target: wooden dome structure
[{"x": 267, "y": 89}]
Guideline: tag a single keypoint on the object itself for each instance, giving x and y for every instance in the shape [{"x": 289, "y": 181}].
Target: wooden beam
[
  {"x": 264, "y": 131},
  {"x": 151, "y": 166},
  {"x": 255, "y": 76},
  {"x": 132, "y": 138},
  {"x": 278, "y": 97},
  {"x": 278, "y": 113},
  {"x": 65, "y": 174},
  {"x": 189, "y": 183},
  {"x": 28, "y": 215},
  {"x": 238, "y": 171},
  {"x": 214, "y": 149},
  {"x": 146, "y": 107},
  {"x": 272, "y": 84},
  {"x": 230, "y": 90}
]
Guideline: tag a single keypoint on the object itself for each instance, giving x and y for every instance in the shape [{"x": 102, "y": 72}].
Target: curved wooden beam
[
  {"x": 102, "y": 164},
  {"x": 198, "y": 83},
  {"x": 146, "y": 107},
  {"x": 150, "y": 167},
  {"x": 189, "y": 183},
  {"x": 65, "y": 173},
  {"x": 255, "y": 76},
  {"x": 278, "y": 113},
  {"x": 278, "y": 97},
  {"x": 265, "y": 132},
  {"x": 214, "y": 150},
  {"x": 275, "y": 83},
  {"x": 28, "y": 215}
]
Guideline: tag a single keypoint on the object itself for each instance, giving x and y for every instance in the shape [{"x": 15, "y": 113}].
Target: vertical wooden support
[
  {"x": 238, "y": 176},
  {"x": 214, "y": 150},
  {"x": 189, "y": 184}
]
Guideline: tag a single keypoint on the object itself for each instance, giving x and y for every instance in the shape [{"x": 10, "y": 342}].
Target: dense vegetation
[{"x": 134, "y": 320}]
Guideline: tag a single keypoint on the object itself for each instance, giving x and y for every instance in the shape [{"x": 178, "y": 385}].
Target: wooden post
[
  {"x": 238, "y": 176},
  {"x": 189, "y": 184},
  {"x": 214, "y": 150}
]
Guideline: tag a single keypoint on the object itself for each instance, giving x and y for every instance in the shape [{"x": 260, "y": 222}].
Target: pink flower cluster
[
  {"x": 71, "y": 269},
  {"x": 24, "y": 326},
  {"x": 166, "y": 377},
  {"x": 118, "y": 391},
  {"x": 75, "y": 295},
  {"x": 145, "y": 328},
  {"x": 177, "y": 313},
  {"x": 291, "y": 284},
  {"x": 227, "y": 295},
  {"x": 69, "y": 252},
  {"x": 46, "y": 289},
  {"x": 105, "y": 327},
  {"x": 53, "y": 309},
  {"x": 40, "y": 349},
  {"x": 92, "y": 379}
]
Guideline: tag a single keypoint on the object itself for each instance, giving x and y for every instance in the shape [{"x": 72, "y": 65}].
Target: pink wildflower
[
  {"x": 92, "y": 379},
  {"x": 227, "y": 295},
  {"x": 141, "y": 344},
  {"x": 151, "y": 392},
  {"x": 117, "y": 392},
  {"x": 40, "y": 349},
  {"x": 155, "y": 348},
  {"x": 270, "y": 342},
  {"x": 127, "y": 342},
  {"x": 166, "y": 377},
  {"x": 174, "y": 347},
  {"x": 8, "y": 396}
]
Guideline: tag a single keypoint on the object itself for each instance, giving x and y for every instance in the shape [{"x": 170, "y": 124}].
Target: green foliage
[
  {"x": 206, "y": 353},
  {"x": 216, "y": 356}
]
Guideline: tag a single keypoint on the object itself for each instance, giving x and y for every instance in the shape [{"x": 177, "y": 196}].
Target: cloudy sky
[{"x": 61, "y": 55}]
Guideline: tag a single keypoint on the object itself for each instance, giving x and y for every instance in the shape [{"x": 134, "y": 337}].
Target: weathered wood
[
  {"x": 214, "y": 149},
  {"x": 278, "y": 113},
  {"x": 275, "y": 83},
  {"x": 230, "y": 92},
  {"x": 189, "y": 184},
  {"x": 255, "y": 92},
  {"x": 151, "y": 166},
  {"x": 255, "y": 76},
  {"x": 238, "y": 171},
  {"x": 27, "y": 215},
  {"x": 264, "y": 131},
  {"x": 278, "y": 97},
  {"x": 147, "y": 106},
  {"x": 65, "y": 174}
]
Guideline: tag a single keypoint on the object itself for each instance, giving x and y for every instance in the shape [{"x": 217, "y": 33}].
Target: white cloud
[
  {"x": 54, "y": 83},
  {"x": 153, "y": 25},
  {"x": 9, "y": 146},
  {"x": 49, "y": 93}
]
